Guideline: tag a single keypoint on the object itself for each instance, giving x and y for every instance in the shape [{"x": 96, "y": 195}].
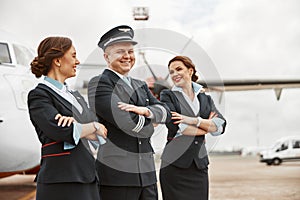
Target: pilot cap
[{"x": 118, "y": 34}]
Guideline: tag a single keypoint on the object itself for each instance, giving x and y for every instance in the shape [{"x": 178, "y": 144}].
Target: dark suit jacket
[
  {"x": 127, "y": 157},
  {"x": 183, "y": 150},
  {"x": 57, "y": 164}
]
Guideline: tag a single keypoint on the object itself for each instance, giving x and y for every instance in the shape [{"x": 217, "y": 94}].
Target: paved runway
[
  {"x": 231, "y": 178},
  {"x": 17, "y": 187},
  {"x": 245, "y": 178}
]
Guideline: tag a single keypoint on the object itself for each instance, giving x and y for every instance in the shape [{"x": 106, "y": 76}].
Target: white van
[{"x": 284, "y": 149}]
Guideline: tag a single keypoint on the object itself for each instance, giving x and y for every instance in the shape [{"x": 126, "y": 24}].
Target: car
[{"x": 285, "y": 149}]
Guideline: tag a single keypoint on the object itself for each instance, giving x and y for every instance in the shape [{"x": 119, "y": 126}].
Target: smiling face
[
  {"x": 68, "y": 63},
  {"x": 120, "y": 57},
  {"x": 180, "y": 74}
]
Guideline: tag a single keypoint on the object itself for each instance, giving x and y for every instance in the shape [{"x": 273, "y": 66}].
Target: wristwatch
[
  {"x": 199, "y": 121},
  {"x": 97, "y": 127}
]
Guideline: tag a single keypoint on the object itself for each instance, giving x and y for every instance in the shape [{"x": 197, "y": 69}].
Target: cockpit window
[
  {"x": 23, "y": 55},
  {"x": 4, "y": 53}
]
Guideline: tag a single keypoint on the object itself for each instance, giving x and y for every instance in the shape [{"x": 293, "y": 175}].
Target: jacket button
[
  {"x": 140, "y": 142},
  {"x": 196, "y": 142}
]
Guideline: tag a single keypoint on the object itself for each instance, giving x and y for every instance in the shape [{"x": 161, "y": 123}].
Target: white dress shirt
[{"x": 195, "y": 106}]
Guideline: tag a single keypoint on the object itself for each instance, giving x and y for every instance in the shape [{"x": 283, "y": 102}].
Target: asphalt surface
[{"x": 231, "y": 178}]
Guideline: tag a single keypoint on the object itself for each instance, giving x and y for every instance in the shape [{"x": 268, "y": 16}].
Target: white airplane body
[{"x": 19, "y": 145}]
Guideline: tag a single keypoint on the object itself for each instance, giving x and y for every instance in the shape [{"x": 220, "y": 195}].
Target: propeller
[{"x": 158, "y": 84}]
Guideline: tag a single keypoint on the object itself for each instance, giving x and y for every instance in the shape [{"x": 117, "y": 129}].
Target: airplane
[{"x": 19, "y": 145}]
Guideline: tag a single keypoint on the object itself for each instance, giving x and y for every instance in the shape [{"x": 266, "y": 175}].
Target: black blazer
[
  {"x": 183, "y": 150},
  {"x": 127, "y": 157},
  {"x": 57, "y": 164}
]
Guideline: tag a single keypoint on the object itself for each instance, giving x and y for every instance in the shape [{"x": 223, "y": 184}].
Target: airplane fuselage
[{"x": 19, "y": 145}]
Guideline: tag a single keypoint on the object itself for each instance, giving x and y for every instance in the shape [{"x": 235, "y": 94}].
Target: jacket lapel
[
  {"x": 63, "y": 101},
  {"x": 86, "y": 115},
  {"x": 203, "y": 112},
  {"x": 184, "y": 106},
  {"x": 124, "y": 91},
  {"x": 138, "y": 97},
  {"x": 57, "y": 96}
]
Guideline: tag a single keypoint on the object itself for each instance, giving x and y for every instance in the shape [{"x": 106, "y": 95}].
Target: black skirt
[
  {"x": 184, "y": 183},
  {"x": 67, "y": 191}
]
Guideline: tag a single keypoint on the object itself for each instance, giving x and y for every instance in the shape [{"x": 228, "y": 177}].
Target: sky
[{"x": 245, "y": 39}]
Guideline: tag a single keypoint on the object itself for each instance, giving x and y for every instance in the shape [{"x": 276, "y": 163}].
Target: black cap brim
[{"x": 119, "y": 41}]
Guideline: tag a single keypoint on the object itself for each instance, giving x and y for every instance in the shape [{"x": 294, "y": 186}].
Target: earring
[{"x": 58, "y": 64}]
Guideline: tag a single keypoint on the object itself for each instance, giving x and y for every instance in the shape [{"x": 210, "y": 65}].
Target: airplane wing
[
  {"x": 211, "y": 85},
  {"x": 242, "y": 85}
]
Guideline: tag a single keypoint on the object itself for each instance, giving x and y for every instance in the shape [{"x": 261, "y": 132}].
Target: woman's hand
[
  {"x": 212, "y": 115},
  {"x": 64, "y": 120},
  {"x": 206, "y": 124},
  {"x": 92, "y": 129},
  {"x": 140, "y": 110},
  {"x": 183, "y": 119},
  {"x": 101, "y": 131},
  {"x": 189, "y": 120},
  {"x": 193, "y": 131}
]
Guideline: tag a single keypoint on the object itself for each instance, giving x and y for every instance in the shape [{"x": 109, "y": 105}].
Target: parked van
[{"x": 284, "y": 149}]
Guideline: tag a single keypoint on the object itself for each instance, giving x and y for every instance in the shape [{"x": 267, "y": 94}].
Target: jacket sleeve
[
  {"x": 104, "y": 100},
  {"x": 214, "y": 109},
  {"x": 167, "y": 98},
  {"x": 42, "y": 115},
  {"x": 159, "y": 109}
]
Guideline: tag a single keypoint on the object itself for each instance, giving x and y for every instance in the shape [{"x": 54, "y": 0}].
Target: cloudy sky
[{"x": 246, "y": 39}]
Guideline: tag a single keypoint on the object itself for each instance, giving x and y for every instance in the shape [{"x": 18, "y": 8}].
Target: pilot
[
  {"x": 128, "y": 109},
  {"x": 64, "y": 125}
]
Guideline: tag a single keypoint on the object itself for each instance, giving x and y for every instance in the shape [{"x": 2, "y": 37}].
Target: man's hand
[{"x": 140, "y": 110}]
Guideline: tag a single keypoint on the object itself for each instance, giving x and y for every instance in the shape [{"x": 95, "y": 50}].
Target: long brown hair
[
  {"x": 49, "y": 49},
  {"x": 188, "y": 63}
]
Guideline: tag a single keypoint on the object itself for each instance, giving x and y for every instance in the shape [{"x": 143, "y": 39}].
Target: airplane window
[
  {"x": 4, "y": 53},
  {"x": 23, "y": 55},
  {"x": 296, "y": 144}
]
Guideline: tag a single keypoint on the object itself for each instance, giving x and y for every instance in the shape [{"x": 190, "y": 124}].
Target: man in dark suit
[{"x": 128, "y": 110}]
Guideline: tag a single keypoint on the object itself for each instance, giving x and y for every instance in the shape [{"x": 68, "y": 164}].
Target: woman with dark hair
[
  {"x": 64, "y": 125},
  {"x": 184, "y": 168}
]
